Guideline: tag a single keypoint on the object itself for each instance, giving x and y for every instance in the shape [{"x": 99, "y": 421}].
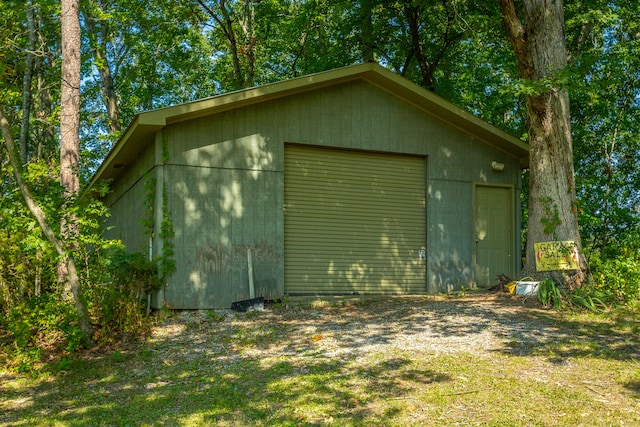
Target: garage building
[{"x": 353, "y": 180}]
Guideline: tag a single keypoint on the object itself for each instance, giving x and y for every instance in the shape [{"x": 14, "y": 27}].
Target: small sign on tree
[{"x": 556, "y": 255}]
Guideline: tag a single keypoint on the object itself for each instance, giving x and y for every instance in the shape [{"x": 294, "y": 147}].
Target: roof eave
[
  {"x": 448, "y": 112},
  {"x": 144, "y": 125},
  {"x": 140, "y": 128},
  {"x": 152, "y": 121}
]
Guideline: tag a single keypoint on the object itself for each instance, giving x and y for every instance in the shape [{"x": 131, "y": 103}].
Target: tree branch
[
  {"x": 226, "y": 25},
  {"x": 518, "y": 38},
  {"x": 33, "y": 206},
  {"x": 107, "y": 87}
]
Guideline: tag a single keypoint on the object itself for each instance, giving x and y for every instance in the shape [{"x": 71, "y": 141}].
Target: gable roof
[{"x": 144, "y": 125}]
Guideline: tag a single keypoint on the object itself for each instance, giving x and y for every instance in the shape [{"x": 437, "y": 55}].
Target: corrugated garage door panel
[{"x": 354, "y": 222}]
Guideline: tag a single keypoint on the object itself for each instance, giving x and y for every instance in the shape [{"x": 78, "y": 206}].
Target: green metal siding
[
  {"x": 218, "y": 215},
  {"x": 126, "y": 202}
]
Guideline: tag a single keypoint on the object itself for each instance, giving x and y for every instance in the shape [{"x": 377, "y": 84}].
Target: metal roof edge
[
  {"x": 243, "y": 97},
  {"x": 441, "y": 107},
  {"x": 115, "y": 149}
]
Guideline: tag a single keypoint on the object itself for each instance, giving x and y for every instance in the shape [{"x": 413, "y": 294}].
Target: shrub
[
  {"x": 619, "y": 276},
  {"x": 42, "y": 326},
  {"x": 36, "y": 323},
  {"x": 116, "y": 304},
  {"x": 586, "y": 297}
]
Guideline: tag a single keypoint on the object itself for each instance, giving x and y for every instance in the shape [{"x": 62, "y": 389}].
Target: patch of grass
[
  {"x": 215, "y": 316},
  {"x": 262, "y": 334},
  {"x": 589, "y": 375}
]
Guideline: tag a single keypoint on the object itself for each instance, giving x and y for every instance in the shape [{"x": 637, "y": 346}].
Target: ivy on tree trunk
[{"x": 539, "y": 44}]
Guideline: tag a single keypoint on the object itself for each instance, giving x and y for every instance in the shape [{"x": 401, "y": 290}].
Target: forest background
[{"x": 138, "y": 56}]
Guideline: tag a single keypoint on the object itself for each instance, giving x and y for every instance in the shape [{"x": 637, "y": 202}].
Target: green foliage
[
  {"x": 606, "y": 119},
  {"x": 551, "y": 220},
  {"x": 589, "y": 297},
  {"x": 215, "y": 316},
  {"x": 167, "y": 260},
  {"x": 282, "y": 303},
  {"x": 549, "y": 294},
  {"x": 37, "y": 323},
  {"x": 117, "y": 305},
  {"x": 40, "y": 326},
  {"x": 619, "y": 277},
  {"x": 27, "y": 260},
  {"x": 165, "y": 150},
  {"x": 132, "y": 274},
  {"x": 148, "y": 221},
  {"x": 460, "y": 293}
]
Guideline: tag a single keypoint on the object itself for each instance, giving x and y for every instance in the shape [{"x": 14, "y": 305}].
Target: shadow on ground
[{"x": 248, "y": 367}]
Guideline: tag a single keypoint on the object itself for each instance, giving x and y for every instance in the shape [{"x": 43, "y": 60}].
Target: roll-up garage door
[{"x": 354, "y": 222}]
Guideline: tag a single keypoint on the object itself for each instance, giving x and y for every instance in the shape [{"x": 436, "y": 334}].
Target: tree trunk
[
  {"x": 98, "y": 35},
  {"x": 43, "y": 111},
  {"x": 70, "y": 98},
  {"x": 26, "y": 82},
  {"x": 412, "y": 14},
  {"x": 238, "y": 28},
  {"x": 226, "y": 26},
  {"x": 248, "y": 28},
  {"x": 70, "y": 149},
  {"x": 70, "y": 111},
  {"x": 367, "y": 42},
  {"x": 428, "y": 62},
  {"x": 47, "y": 230},
  {"x": 540, "y": 47}
]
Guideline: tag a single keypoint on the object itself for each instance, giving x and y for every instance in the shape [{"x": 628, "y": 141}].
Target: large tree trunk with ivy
[{"x": 539, "y": 43}]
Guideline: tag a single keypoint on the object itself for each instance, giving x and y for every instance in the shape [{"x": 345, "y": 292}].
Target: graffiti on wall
[{"x": 223, "y": 259}]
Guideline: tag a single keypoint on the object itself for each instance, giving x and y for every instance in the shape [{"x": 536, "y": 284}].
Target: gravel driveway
[{"x": 340, "y": 327}]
